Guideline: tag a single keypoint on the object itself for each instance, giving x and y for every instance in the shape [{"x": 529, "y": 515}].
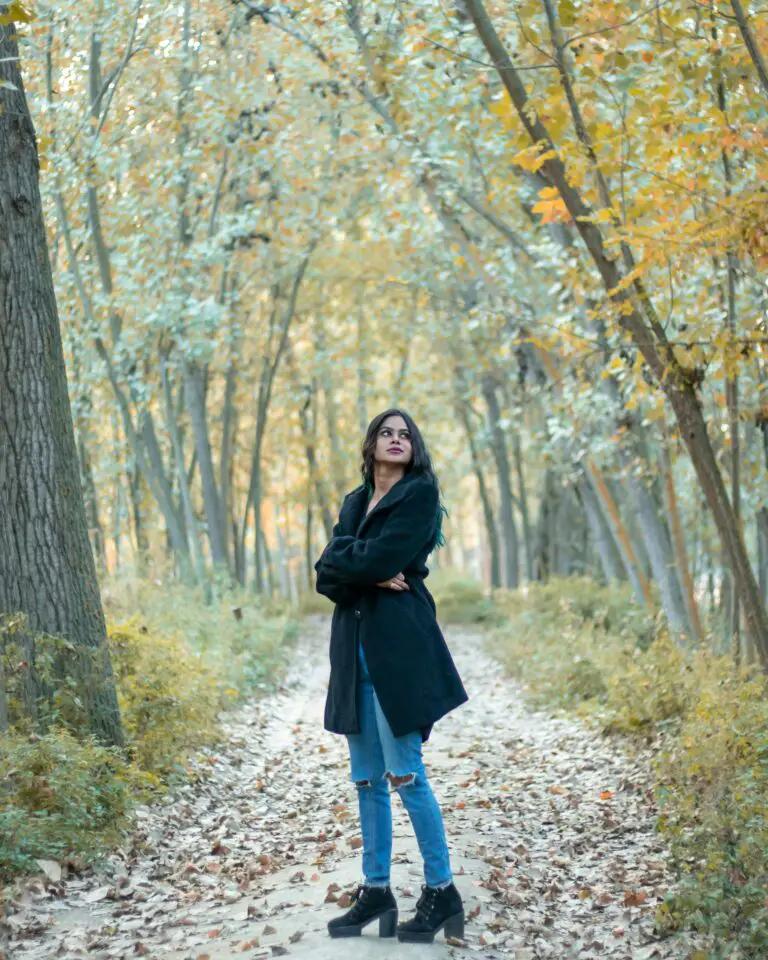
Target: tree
[{"x": 47, "y": 571}]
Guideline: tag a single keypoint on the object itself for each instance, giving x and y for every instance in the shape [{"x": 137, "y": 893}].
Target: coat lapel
[
  {"x": 386, "y": 503},
  {"x": 353, "y": 511}
]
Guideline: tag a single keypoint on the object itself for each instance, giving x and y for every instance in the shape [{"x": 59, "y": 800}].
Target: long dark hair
[{"x": 421, "y": 462}]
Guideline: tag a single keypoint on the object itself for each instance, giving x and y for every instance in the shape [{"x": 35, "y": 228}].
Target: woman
[{"x": 392, "y": 676}]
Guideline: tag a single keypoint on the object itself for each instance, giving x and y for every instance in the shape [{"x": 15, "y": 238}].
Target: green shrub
[
  {"x": 652, "y": 689},
  {"x": 169, "y": 698},
  {"x": 61, "y": 797},
  {"x": 312, "y": 603},
  {"x": 244, "y": 641},
  {"x": 565, "y": 638},
  {"x": 575, "y": 643},
  {"x": 712, "y": 783},
  {"x": 460, "y": 601},
  {"x": 176, "y": 662}
]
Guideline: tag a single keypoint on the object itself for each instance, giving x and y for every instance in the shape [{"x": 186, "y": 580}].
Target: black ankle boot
[
  {"x": 370, "y": 903},
  {"x": 436, "y": 908}
]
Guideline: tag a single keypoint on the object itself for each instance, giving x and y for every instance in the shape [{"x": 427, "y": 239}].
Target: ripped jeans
[{"x": 375, "y": 754}]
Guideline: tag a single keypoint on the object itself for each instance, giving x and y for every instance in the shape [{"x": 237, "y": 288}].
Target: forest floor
[{"x": 551, "y": 828}]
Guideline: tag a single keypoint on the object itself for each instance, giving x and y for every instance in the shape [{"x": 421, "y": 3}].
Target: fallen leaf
[
  {"x": 633, "y": 898},
  {"x": 51, "y": 868}
]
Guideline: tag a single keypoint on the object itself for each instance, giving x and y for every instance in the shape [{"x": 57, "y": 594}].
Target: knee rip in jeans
[
  {"x": 361, "y": 784},
  {"x": 398, "y": 782}
]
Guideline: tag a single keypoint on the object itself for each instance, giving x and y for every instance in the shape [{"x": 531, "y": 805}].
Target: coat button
[{"x": 358, "y": 614}]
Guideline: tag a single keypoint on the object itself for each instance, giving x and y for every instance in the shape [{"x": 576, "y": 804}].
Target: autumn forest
[{"x": 540, "y": 227}]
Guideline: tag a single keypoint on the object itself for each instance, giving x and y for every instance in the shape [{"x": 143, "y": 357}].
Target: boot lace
[{"x": 425, "y": 905}]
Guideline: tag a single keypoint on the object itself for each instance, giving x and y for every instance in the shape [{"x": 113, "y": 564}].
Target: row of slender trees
[{"x": 541, "y": 230}]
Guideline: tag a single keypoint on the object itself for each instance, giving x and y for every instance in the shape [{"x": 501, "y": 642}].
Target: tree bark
[
  {"x": 47, "y": 571},
  {"x": 681, "y": 556},
  {"x": 601, "y": 535},
  {"x": 751, "y": 43},
  {"x": 194, "y": 392},
  {"x": 621, "y": 536},
  {"x": 462, "y": 411},
  {"x": 517, "y": 453},
  {"x": 506, "y": 497},
  {"x": 181, "y": 476}
]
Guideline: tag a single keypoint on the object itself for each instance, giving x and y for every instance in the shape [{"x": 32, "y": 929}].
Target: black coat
[{"x": 410, "y": 667}]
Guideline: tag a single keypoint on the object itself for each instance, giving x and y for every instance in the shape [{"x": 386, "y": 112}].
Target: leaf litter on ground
[{"x": 551, "y": 829}]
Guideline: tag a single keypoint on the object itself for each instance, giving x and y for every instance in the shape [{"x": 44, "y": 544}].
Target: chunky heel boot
[
  {"x": 369, "y": 904},
  {"x": 436, "y": 909}
]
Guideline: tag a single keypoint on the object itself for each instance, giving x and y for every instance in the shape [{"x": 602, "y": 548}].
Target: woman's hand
[{"x": 397, "y": 583}]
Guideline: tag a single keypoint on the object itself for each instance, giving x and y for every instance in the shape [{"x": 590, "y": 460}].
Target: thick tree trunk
[{"x": 47, "y": 570}]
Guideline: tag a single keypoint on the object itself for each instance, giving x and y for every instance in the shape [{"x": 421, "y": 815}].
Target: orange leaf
[
  {"x": 633, "y": 898},
  {"x": 606, "y": 794}
]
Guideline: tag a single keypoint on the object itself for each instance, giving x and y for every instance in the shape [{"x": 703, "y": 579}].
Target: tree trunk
[
  {"x": 226, "y": 460},
  {"x": 660, "y": 552},
  {"x": 181, "y": 476},
  {"x": 506, "y": 497},
  {"x": 601, "y": 535},
  {"x": 762, "y": 550},
  {"x": 751, "y": 43},
  {"x": 517, "y": 453},
  {"x": 195, "y": 398},
  {"x": 621, "y": 536},
  {"x": 681, "y": 556},
  {"x": 47, "y": 570},
  {"x": 462, "y": 411},
  {"x": 542, "y": 563},
  {"x": 95, "y": 528}
]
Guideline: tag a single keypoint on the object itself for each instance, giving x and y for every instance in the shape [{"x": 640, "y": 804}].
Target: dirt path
[{"x": 551, "y": 832}]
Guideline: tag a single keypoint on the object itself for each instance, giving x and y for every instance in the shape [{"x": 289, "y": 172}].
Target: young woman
[{"x": 392, "y": 676}]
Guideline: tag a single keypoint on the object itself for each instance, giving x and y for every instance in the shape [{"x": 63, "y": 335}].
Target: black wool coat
[{"x": 411, "y": 669}]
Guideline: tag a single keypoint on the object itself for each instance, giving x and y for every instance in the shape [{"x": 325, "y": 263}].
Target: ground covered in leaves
[{"x": 551, "y": 829}]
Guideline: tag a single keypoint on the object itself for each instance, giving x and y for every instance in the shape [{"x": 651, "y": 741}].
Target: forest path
[{"x": 551, "y": 831}]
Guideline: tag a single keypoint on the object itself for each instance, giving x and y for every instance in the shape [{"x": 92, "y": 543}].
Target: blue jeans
[{"x": 375, "y": 753}]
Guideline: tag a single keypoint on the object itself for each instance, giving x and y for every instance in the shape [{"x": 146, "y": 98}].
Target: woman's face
[{"x": 393, "y": 444}]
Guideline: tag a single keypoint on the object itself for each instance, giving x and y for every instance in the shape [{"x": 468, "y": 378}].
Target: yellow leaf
[
  {"x": 531, "y": 158},
  {"x": 17, "y": 12},
  {"x": 552, "y": 211}
]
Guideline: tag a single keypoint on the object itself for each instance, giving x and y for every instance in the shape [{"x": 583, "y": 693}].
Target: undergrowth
[
  {"x": 582, "y": 646},
  {"x": 460, "y": 600},
  {"x": 177, "y": 663}
]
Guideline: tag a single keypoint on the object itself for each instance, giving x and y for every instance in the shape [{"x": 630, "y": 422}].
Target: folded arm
[
  {"x": 406, "y": 531},
  {"x": 326, "y": 582}
]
